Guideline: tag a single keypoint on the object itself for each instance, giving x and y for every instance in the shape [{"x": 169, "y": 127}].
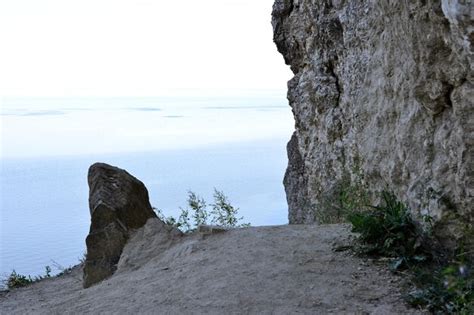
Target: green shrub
[
  {"x": 16, "y": 280},
  {"x": 389, "y": 230},
  {"x": 444, "y": 290},
  {"x": 199, "y": 208},
  {"x": 222, "y": 213}
]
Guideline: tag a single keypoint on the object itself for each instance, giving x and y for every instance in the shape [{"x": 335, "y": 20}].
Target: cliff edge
[
  {"x": 136, "y": 263},
  {"x": 382, "y": 94},
  {"x": 257, "y": 270}
]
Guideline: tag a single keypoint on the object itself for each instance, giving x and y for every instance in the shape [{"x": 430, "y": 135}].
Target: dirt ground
[{"x": 257, "y": 270}]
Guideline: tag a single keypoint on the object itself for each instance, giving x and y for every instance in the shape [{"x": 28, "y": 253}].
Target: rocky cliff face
[{"x": 382, "y": 95}]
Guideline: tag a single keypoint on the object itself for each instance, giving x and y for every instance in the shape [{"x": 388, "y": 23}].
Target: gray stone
[
  {"x": 295, "y": 183},
  {"x": 119, "y": 204},
  {"x": 205, "y": 229},
  {"x": 383, "y": 93}
]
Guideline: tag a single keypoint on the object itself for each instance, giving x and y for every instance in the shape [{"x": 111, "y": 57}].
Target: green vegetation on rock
[
  {"x": 389, "y": 230},
  {"x": 441, "y": 284},
  {"x": 16, "y": 280}
]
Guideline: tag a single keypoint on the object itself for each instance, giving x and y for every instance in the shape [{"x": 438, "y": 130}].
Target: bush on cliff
[
  {"x": 222, "y": 213},
  {"x": 443, "y": 286},
  {"x": 389, "y": 230},
  {"x": 447, "y": 289},
  {"x": 16, "y": 280}
]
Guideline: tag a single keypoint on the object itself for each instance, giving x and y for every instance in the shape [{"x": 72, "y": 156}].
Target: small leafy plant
[
  {"x": 389, "y": 230},
  {"x": 222, "y": 213},
  {"x": 16, "y": 280},
  {"x": 444, "y": 290}
]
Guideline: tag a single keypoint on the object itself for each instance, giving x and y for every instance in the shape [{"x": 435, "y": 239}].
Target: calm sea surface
[{"x": 172, "y": 144}]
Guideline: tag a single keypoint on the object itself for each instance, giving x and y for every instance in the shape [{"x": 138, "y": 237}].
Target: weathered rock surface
[
  {"x": 119, "y": 205},
  {"x": 382, "y": 94}
]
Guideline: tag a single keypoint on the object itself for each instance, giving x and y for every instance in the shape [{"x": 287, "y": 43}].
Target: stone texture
[
  {"x": 205, "y": 230},
  {"x": 119, "y": 205},
  {"x": 383, "y": 93},
  {"x": 146, "y": 244}
]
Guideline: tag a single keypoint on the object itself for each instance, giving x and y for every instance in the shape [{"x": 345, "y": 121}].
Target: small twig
[{"x": 464, "y": 253}]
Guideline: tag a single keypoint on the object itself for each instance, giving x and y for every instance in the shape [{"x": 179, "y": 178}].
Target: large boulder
[{"x": 119, "y": 204}]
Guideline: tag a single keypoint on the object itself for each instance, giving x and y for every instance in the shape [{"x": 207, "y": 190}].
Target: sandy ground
[{"x": 257, "y": 270}]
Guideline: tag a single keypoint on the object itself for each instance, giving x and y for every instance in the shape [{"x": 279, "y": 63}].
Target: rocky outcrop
[
  {"x": 383, "y": 95},
  {"x": 119, "y": 205}
]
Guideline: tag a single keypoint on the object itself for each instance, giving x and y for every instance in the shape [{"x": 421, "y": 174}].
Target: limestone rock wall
[{"x": 383, "y": 93}]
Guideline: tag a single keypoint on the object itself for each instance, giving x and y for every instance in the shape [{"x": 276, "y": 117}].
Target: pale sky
[{"x": 136, "y": 47}]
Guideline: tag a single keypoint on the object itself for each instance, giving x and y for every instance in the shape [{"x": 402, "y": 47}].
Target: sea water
[{"x": 174, "y": 145}]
